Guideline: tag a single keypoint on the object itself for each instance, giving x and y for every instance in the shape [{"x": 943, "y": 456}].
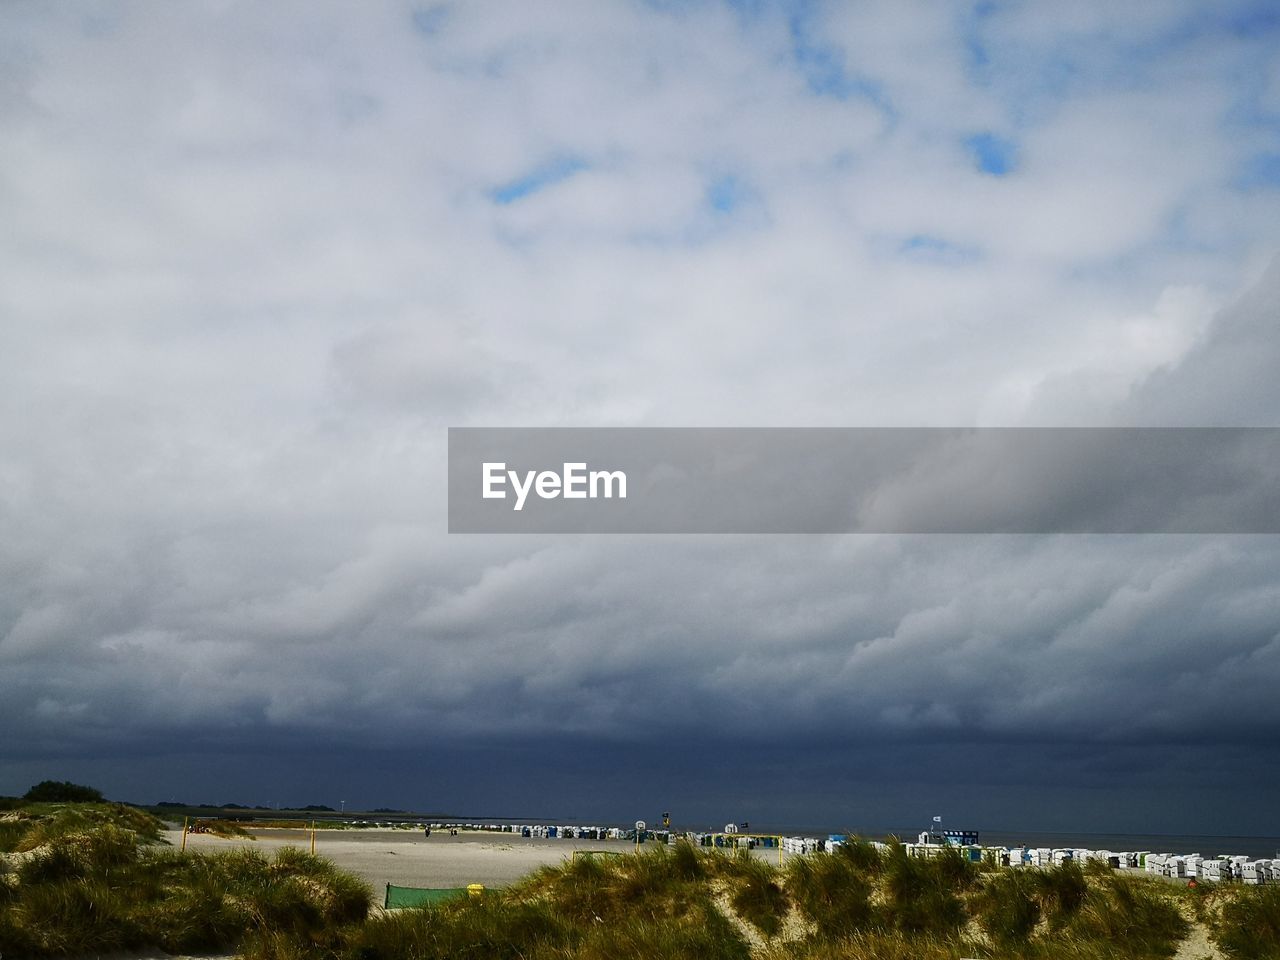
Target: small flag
[{"x": 937, "y": 819}]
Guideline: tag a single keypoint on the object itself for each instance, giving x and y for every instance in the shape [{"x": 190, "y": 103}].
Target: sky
[{"x": 256, "y": 259}]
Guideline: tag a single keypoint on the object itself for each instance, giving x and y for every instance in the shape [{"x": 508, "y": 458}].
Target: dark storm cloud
[{"x": 1108, "y": 638}]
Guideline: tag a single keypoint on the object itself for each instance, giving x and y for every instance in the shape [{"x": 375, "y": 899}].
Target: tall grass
[
  {"x": 1008, "y": 906},
  {"x": 923, "y": 894},
  {"x": 1137, "y": 912},
  {"x": 703, "y": 933},
  {"x": 1247, "y": 926},
  {"x": 517, "y": 926},
  {"x": 80, "y": 856},
  {"x": 12, "y": 830},
  {"x": 101, "y": 890},
  {"x": 488, "y": 926},
  {"x": 832, "y": 893},
  {"x": 46, "y": 822},
  {"x": 757, "y": 894},
  {"x": 653, "y": 884},
  {"x": 1062, "y": 892},
  {"x": 863, "y": 855},
  {"x": 871, "y": 945},
  {"x": 71, "y": 917}
]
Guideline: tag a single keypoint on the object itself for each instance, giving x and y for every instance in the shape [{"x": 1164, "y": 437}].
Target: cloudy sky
[{"x": 257, "y": 258}]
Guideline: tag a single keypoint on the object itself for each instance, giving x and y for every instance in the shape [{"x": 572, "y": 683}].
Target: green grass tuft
[
  {"x": 831, "y": 893},
  {"x": 1008, "y": 907},
  {"x": 757, "y": 895},
  {"x": 1248, "y": 925},
  {"x": 1139, "y": 912},
  {"x": 923, "y": 894},
  {"x": 1062, "y": 892}
]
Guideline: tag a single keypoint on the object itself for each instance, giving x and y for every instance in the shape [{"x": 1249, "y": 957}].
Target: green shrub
[{"x": 62, "y": 791}]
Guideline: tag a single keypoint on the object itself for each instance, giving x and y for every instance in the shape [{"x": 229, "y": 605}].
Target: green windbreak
[{"x": 417, "y": 896}]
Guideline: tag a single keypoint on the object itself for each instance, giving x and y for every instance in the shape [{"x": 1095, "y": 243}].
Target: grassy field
[{"x": 84, "y": 879}]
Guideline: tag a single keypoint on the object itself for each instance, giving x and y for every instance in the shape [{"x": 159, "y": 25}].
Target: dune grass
[
  {"x": 924, "y": 895},
  {"x": 832, "y": 893},
  {"x": 757, "y": 894},
  {"x": 1008, "y": 906},
  {"x": 33, "y": 825},
  {"x": 105, "y": 889},
  {"x": 656, "y": 904},
  {"x": 1247, "y": 925},
  {"x": 870, "y": 945},
  {"x": 1140, "y": 912}
]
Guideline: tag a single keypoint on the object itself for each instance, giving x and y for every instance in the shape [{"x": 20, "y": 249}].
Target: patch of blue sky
[
  {"x": 430, "y": 20},
  {"x": 539, "y": 178},
  {"x": 746, "y": 10},
  {"x": 928, "y": 248},
  {"x": 731, "y": 205},
  {"x": 825, "y": 71},
  {"x": 727, "y": 193},
  {"x": 993, "y": 155},
  {"x": 749, "y": 8},
  {"x": 1033, "y": 79},
  {"x": 1181, "y": 234},
  {"x": 1261, "y": 171},
  {"x": 976, "y": 52},
  {"x": 1246, "y": 19},
  {"x": 970, "y": 29},
  {"x": 681, "y": 6}
]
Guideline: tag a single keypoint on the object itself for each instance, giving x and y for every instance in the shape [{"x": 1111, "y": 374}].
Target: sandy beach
[{"x": 407, "y": 858}]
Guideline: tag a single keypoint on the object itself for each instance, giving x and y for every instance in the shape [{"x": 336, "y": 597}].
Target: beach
[{"x": 407, "y": 858}]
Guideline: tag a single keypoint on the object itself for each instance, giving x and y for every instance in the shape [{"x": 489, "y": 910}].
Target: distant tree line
[{"x": 62, "y": 791}]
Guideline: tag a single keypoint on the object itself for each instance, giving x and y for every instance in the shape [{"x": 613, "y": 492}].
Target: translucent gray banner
[{"x": 864, "y": 480}]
